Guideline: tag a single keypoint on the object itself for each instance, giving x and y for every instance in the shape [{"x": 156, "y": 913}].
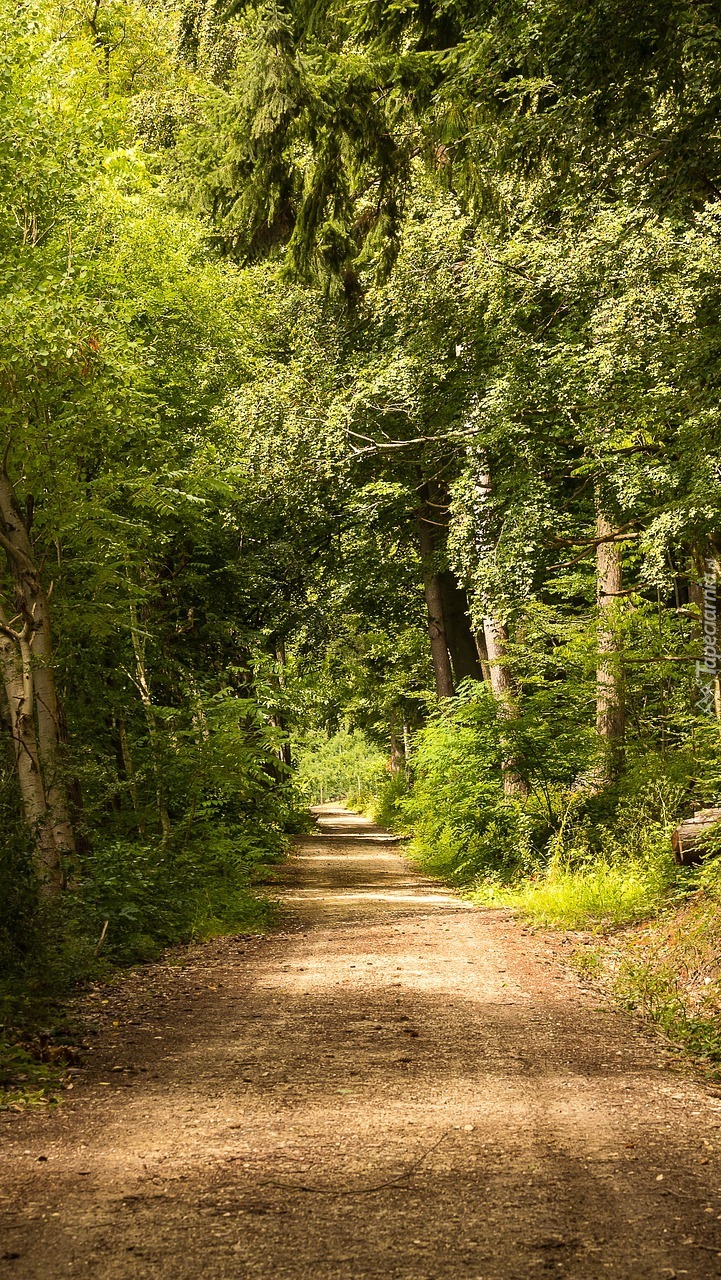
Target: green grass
[{"x": 602, "y": 897}]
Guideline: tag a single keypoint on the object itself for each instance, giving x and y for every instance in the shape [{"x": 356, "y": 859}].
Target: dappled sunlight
[
  {"x": 394, "y": 1065},
  {"x": 370, "y": 895},
  {"x": 375, "y": 859}
]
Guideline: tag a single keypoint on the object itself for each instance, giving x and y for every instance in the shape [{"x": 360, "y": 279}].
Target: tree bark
[
  {"x": 397, "y": 759},
  {"x": 689, "y": 837},
  {"x": 492, "y": 646},
  {"x": 496, "y": 642},
  {"x": 495, "y": 635},
  {"x": 17, "y": 675},
  {"x": 610, "y": 712},
  {"x": 434, "y": 609},
  {"x": 50, "y": 735},
  {"x": 407, "y": 751},
  {"x": 479, "y": 638},
  {"x": 33, "y": 607}
]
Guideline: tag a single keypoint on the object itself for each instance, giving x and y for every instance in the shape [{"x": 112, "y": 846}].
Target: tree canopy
[{"x": 361, "y": 373}]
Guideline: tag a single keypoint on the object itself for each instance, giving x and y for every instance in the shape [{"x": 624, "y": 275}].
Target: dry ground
[{"x": 396, "y": 1085}]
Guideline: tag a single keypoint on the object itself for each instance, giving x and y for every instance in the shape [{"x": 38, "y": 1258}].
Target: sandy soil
[{"x": 396, "y": 1085}]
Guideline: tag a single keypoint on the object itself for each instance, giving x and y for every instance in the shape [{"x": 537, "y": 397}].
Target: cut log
[{"x": 689, "y": 838}]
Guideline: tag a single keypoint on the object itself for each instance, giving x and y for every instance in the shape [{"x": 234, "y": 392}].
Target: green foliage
[
  {"x": 125, "y": 345},
  {"x": 667, "y": 969},
  {"x": 565, "y": 856},
  {"x": 136, "y": 893},
  {"x": 658, "y": 994},
  {"x": 227, "y": 473},
  {"x": 308, "y": 143},
  {"x": 463, "y": 823},
  {"x": 151, "y": 898},
  {"x": 599, "y": 897},
  {"x": 338, "y": 766},
  {"x": 387, "y": 805},
  {"x": 25, "y": 1080}
]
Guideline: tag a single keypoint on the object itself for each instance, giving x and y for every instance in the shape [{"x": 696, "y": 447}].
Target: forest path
[{"x": 397, "y": 1085}]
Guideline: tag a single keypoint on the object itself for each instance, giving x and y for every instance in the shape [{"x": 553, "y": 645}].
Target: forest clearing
[
  {"x": 360, "y": 457},
  {"x": 393, "y": 1085}
]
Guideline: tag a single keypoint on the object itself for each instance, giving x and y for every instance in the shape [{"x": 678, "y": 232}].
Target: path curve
[{"x": 395, "y": 1085}]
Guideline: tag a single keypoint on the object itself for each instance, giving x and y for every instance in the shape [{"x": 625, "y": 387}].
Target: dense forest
[{"x": 360, "y": 438}]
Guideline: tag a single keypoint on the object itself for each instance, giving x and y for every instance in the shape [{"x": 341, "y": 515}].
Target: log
[{"x": 688, "y": 839}]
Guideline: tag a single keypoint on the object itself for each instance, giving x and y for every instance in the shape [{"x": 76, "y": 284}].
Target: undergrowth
[
  {"x": 668, "y": 969},
  {"x": 575, "y": 856},
  {"x": 603, "y": 897},
  {"x": 133, "y": 901},
  {"x": 337, "y": 766}
]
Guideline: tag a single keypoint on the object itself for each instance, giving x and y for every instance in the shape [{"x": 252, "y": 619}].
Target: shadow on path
[{"x": 395, "y": 1085}]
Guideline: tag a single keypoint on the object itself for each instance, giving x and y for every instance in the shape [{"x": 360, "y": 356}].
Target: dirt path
[{"x": 395, "y": 1086}]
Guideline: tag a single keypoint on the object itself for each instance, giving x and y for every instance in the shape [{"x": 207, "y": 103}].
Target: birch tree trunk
[
  {"x": 482, "y": 650},
  {"x": 17, "y": 676},
  {"x": 35, "y": 643},
  {"x": 495, "y": 635},
  {"x": 492, "y": 649}
]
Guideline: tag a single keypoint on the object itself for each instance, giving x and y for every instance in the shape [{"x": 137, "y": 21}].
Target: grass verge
[
  {"x": 656, "y": 947},
  {"x": 601, "y": 897}
]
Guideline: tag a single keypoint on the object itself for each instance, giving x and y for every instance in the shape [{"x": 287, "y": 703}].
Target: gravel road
[{"x": 393, "y": 1085}]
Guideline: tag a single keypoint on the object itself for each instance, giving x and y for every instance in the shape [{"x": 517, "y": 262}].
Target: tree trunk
[
  {"x": 492, "y": 646},
  {"x": 610, "y": 713},
  {"x": 459, "y": 634},
  {"x": 495, "y": 635},
  {"x": 407, "y": 751},
  {"x": 17, "y": 675},
  {"x": 690, "y": 836},
  {"x": 397, "y": 753},
  {"x": 49, "y": 733},
  {"x": 479, "y": 638},
  {"x": 496, "y": 642},
  {"x": 434, "y": 610},
  {"x": 33, "y": 606}
]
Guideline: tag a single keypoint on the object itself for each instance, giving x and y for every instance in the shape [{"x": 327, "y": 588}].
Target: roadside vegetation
[{"x": 343, "y": 766}]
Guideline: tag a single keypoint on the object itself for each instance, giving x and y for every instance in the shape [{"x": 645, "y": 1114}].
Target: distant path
[{"x": 395, "y": 1086}]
